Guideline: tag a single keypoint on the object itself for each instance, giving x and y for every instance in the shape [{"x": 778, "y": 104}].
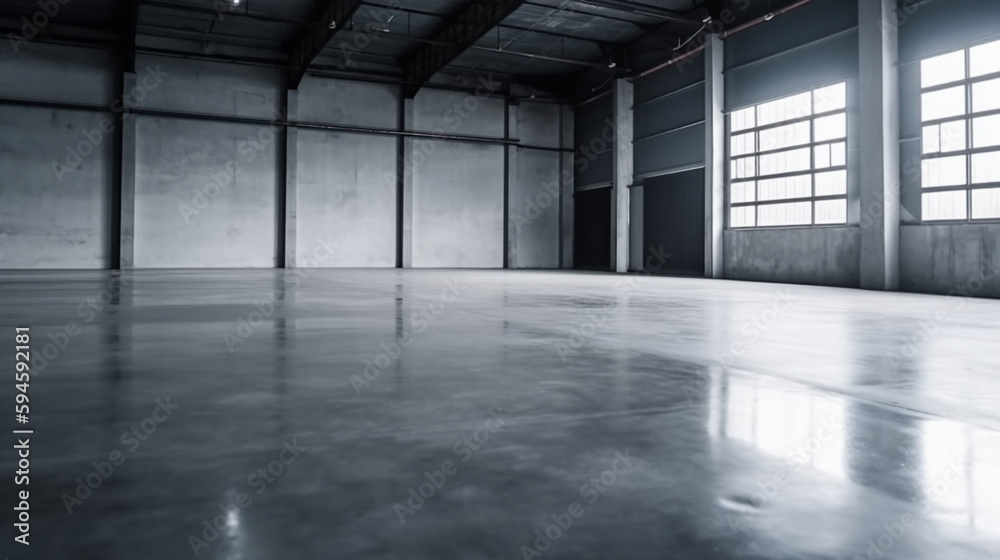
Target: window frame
[
  {"x": 967, "y": 118},
  {"x": 812, "y": 170}
]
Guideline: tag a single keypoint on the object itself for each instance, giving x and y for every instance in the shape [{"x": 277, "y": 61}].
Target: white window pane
[
  {"x": 986, "y": 96},
  {"x": 744, "y": 119},
  {"x": 932, "y": 139},
  {"x": 986, "y": 168},
  {"x": 743, "y": 192},
  {"x": 785, "y": 109},
  {"x": 743, "y": 144},
  {"x": 986, "y": 131},
  {"x": 831, "y": 212},
  {"x": 942, "y": 69},
  {"x": 985, "y": 204},
  {"x": 830, "y": 98},
  {"x": 948, "y": 205},
  {"x": 744, "y": 167},
  {"x": 785, "y": 187},
  {"x": 830, "y": 128},
  {"x": 785, "y": 162},
  {"x": 743, "y": 216},
  {"x": 943, "y": 104},
  {"x": 953, "y": 136},
  {"x": 784, "y": 136},
  {"x": 943, "y": 172},
  {"x": 821, "y": 156},
  {"x": 789, "y": 214},
  {"x": 838, "y": 154},
  {"x": 831, "y": 183},
  {"x": 985, "y": 59}
]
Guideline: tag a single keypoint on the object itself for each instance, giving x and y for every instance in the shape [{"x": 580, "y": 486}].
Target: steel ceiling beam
[
  {"x": 334, "y": 16},
  {"x": 461, "y": 32}
]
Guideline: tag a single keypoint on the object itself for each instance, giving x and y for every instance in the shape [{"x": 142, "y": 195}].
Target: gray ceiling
[{"x": 541, "y": 41}]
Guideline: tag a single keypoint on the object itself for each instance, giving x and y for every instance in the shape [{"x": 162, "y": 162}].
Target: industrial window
[
  {"x": 960, "y": 111},
  {"x": 788, "y": 161}
]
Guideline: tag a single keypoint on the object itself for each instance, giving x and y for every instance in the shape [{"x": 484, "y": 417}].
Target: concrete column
[
  {"x": 878, "y": 138},
  {"x": 715, "y": 156},
  {"x": 291, "y": 181},
  {"x": 510, "y": 176},
  {"x": 566, "y": 181},
  {"x": 407, "y": 156},
  {"x": 127, "y": 240},
  {"x": 622, "y": 109}
]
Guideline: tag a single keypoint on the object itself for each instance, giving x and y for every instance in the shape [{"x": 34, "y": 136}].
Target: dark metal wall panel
[
  {"x": 680, "y": 150},
  {"x": 592, "y": 229},
  {"x": 685, "y": 73},
  {"x": 812, "y": 46},
  {"x": 593, "y": 135},
  {"x": 674, "y": 218},
  {"x": 685, "y": 107},
  {"x": 910, "y": 147},
  {"x": 942, "y": 25}
]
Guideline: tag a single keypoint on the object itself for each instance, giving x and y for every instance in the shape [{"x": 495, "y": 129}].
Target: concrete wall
[
  {"x": 458, "y": 187},
  {"x": 950, "y": 258},
  {"x": 346, "y": 182},
  {"x": 536, "y": 188},
  {"x": 180, "y": 164},
  {"x": 55, "y": 184},
  {"x": 827, "y": 256}
]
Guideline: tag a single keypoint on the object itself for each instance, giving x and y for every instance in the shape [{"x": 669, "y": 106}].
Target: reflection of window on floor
[
  {"x": 960, "y": 112},
  {"x": 972, "y": 499},
  {"x": 783, "y": 422}
]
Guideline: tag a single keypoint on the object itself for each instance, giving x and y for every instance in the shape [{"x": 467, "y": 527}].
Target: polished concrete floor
[{"x": 435, "y": 414}]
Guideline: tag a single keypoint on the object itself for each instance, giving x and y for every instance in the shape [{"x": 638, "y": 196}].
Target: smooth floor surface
[{"x": 438, "y": 414}]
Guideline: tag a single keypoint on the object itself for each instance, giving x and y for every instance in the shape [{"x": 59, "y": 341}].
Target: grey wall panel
[
  {"x": 937, "y": 27},
  {"x": 44, "y": 72},
  {"x": 53, "y": 218},
  {"x": 636, "y": 243},
  {"x": 685, "y": 107},
  {"x": 211, "y": 88},
  {"x": 453, "y": 112},
  {"x": 180, "y": 165},
  {"x": 458, "y": 205},
  {"x": 534, "y": 210},
  {"x": 803, "y": 25},
  {"x": 830, "y": 60},
  {"x": 346, "y": 102},
  {"x": 950, "y": 258},
  {"x": 538, "y": 124},
  {"x": 675, "y": 151},
  {"x": 821, "y": 256},
  {"x": 688, "y": 72},
  {"x": 347, "y": 197}
]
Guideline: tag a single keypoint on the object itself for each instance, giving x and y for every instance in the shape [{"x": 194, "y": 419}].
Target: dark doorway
[
  {"x": 674, "y": 217},
  {"x": 592, "y": 229}
]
